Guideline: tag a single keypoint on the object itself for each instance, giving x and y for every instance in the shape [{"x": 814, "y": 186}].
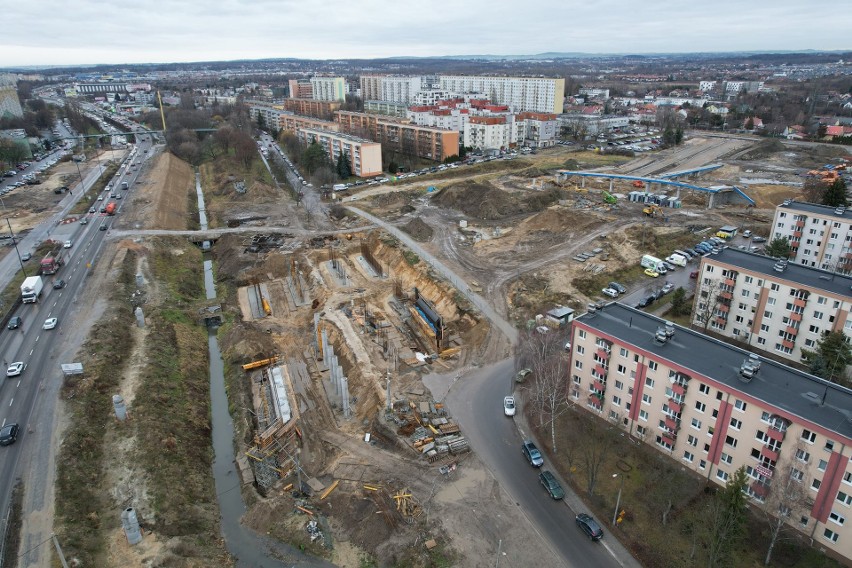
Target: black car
[
  {"x": 103, "y": 228},
  {"x": 617, "y": 287},
  {"x": 551, "y": 484},
  {"x": 589, "y": 526},
  {"x": 15, "y": 322},
  {"x": 59, "y": 284},
  {"x": 758, "y": 239},
  {"x": 9, "y": 434}
]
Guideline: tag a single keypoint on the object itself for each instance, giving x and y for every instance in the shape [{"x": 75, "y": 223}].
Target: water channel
[{"x": 249, "y": 548}]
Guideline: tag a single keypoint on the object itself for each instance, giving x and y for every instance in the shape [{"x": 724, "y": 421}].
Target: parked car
[
  {"x": 9, "y": 434},
  {"x": 757, "y": 239},
  {"x": 746, "y": 234},
  {"x": 551, "y": 484},
  {"x": 522, "y": 375},
  {"x": 26, "y": 256},
  {"x": 618, "y": 287},
  {"x": 610, "y": 292},
  {"x": 509, "y": 406},
  {"x": 693, "y": 275},
  {"x": 530, "y": 451},
  {"x": 668, "y": 287},
  {"x": 589, "y": 526},
  {"x": 652, "y": 273}
]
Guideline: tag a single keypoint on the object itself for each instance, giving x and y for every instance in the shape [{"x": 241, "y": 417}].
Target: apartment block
[
  {"x": 270, "y": 114},
  {"x": 535, "y": 94},
  {"x": 301, "y": 89},
  {"x": 713, "y": 408},
  {"x": 780, "y": 308},
  {"x": 311, "y": 107},
  {"x": 386, "y": 107},
  {"x": 293, "y": 122},
  {"x": 423, "y": 141},
  {"x": 540, "y": 130},
  {"x": 391, "y": 88},
  {"x": 328, "y": 88},
  {"x": 365, "y": 157},
  {"x": 489, "y": 133},
  {"x": 820, "y": 236}
]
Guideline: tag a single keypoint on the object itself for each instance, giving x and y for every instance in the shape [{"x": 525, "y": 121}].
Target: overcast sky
[{"x": 66, "y": 32}]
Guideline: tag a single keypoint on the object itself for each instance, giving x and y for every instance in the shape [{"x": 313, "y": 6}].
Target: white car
[
  {"x": 68, "y": 244},
  {"x": 509, "y": 406},
  {"x": 610, "y": 292},
  {"x": 50, "y": 323},
  {"x": 15, "y": 369}
]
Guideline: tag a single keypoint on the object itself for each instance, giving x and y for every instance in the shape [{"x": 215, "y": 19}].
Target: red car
[{"x": 693, "y": 275}]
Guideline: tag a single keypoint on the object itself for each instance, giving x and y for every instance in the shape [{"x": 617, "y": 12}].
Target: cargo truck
[
  {"x": 653, "y": 263},
  {"x": 31, "y": 289},
  {"x": 110, "y": 208},
  {"x": 124, "y": 185},
  {"x": 53, "y": 260}
]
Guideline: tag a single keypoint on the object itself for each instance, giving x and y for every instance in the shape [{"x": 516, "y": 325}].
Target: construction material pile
[{"x": 429, "y": 430}]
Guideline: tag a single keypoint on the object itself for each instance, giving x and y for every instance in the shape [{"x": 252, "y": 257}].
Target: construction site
[{"x": 328, "y": 334}]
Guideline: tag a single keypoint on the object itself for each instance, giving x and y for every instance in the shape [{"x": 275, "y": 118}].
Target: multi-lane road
[{"x": 29, "y": 399}]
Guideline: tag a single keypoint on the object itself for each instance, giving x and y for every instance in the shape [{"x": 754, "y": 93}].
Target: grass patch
[
  {"x": 410, "y": 257},
  {"x": 80, "y": 497},
  {"x": 661, "y": 241},
  {"x": 592, "y": 284},
  {"x": 650, "y": 478},
  {"x": 13, "y": 528}
]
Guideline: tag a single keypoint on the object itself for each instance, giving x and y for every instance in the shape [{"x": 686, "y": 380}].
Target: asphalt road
[
  {"x": 476, "y": 402},
  {"x": 30, "y": 399}
]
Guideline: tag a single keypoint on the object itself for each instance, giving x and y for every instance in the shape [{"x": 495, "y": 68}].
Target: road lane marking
[
  {"x": 19, "y": 384},
  {"x": 11, "y": 401},
  {"x": 31, "y": 352}
]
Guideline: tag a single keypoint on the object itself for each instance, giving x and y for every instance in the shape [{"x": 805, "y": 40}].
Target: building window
[
  {"x": 700, "y": 406},
  {"x": 796, "y": 474},
  {"x": 702, "y": 464},
  {"x": 581, "y": 334},
  {"x": 764, "y": 417},
  {"x": 723, "y": 475},
  {"x": 847, "y": 478},
  {"x": 731, "y": 441},
  {"x": 623, "y": 352},
  {"x": 736, "y": 424},
  {"x": 696, "y": 423},
  {"x": 822, "y": 465},
  {"x": 652, "y": 365},
  {"x": 646, "y": 399},
  {"x": 839, "y": 519},
  {"x": 616, "y": 401},
  {"x": 641, "y": 430},
  {"x": 621, "y": 369},
  {"x": 740, "y": 405},
  {"x": 577, "y": 380},
  {"x": 649, "y": 382},
  {"x": 844, "y": 498},
  {"x": 619, "y": 385},
  {"x": 774, "y": 287},
  {"x": 719, "y": 395},
  {"x": 830, "y": 535},
  {"x": 726, "y": 458},
  {"x": 704, "y": 389},
  {"x": 749, "y": 279},
  {"x": 770, "y": 301},
  {"x": 581, "y": 350},
  {"x": 761, "y": 341},
  {"x": 817, "y": 315},
  {"x": 815, "y": 484},
  {"x": 688, "y": 457},
  {"x": 692, "y": 441},
  {"x": 808, "y": 436},
  {"x": 643, "y": 415},
  {"x": 803, "y": 521},
  {"x": 803, "y": 456},
  {"x": 578, "y": 364}
]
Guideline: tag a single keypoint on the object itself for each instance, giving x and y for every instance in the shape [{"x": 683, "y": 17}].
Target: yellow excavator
[{"x": 653, "y": 210}]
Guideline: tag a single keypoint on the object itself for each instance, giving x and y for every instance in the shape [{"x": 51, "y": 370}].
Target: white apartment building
[
  {"x": 450, "y": 119},
  {"x": 392, "y": 88},
  {"x": 707, "y": 86},
  {"x": 536, "y": 94},
  {"x": 328, "y": 88},
  {"x": 820, "y": 236},
  {"x": 713, "y": 408},
  {"x": 775, "y": 307},
  {"x": 489, "y": 133},
  {"x": 431, "y": 97},
  {"x": 271, "y": 114}
]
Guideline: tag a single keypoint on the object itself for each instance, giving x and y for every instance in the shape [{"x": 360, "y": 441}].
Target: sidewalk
[{"x": 572, "y": 500}]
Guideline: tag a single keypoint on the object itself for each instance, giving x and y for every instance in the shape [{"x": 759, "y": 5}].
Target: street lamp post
[{"x": 618, "y": 499}]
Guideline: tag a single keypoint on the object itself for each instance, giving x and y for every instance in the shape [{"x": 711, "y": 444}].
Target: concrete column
[{"x": 611, "y": 181}]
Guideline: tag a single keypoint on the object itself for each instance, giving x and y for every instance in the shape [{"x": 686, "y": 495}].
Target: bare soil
[{"x": 162, "y": 200}]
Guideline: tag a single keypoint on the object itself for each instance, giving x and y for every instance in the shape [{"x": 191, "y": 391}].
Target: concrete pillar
[
  {"x": 130, "y": 523},
  {"x": 583, "y": 181},
  {"x": 347, "y": 411},
  {"x": 119, "y": 407},
  {"x": 140, "y": 316},
  {"x": 611, "y": 181}
]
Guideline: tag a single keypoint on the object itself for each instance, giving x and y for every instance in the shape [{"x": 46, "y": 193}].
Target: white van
[
  {"x": 677, "y": 259},
  {"x": 338, "y": 187},
  {"x": 653, "y": 263}
]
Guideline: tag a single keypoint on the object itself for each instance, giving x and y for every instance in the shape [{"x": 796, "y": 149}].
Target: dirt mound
[
  {"x": 764, "y": 149},
  {"x": 767, "y": 196},
  {"x": 533, "y": 172},
  {"x": 419, "y": 230},
  {"x": 162, "y": 202},
  {"x": 484, "y": 201}
]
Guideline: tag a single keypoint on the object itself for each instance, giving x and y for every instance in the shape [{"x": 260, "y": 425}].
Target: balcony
[
  {"x": 675, "y": 406},
  {"x": 672, "y": 425},
  {"x": 726, "y": 295},
  {"x": 600, "y": 370},
  {"x": 603, "y": 353},
  {"x": 794, "y": 331},
  {"x": 669, "y": 439},
  {"x": 596, "y": 400},
  {"x": 797, "y": 234},
  {"x": 679, "y": 388},
  {"x": 760, "y": 489},
  {"x": 788, "y": 344},
  {"x": 730, "y": 282},
  {"x": 795, "y": 316},
  {"x": 721, "y": 322},
  {"x": 598, "y": 385},
  {"x": 800, "y": 224},
  {"x": 800, "y": 302},
  {"x": 776, "y": 434},
  {"x": 724, "y": 308},
  {"x": 769, "y": 453}
]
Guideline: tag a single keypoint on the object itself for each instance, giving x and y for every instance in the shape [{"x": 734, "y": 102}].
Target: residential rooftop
[
  {"x": 816, "y": 208},
  {"x": 797, "y": 274},
  {"x": 781, "y": 387}
]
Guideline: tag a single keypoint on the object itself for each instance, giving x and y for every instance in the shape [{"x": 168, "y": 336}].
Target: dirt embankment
[
  {"x": 482, "y": 200},
  {"x": 419, "y": 230},
  {"x": 163, "y": 200}
]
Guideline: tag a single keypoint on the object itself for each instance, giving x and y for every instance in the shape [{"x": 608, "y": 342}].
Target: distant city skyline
[{"x": 89, "y": 32}]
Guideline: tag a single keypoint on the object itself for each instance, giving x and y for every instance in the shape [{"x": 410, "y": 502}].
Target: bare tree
[
  {"x": 707, "y": 301},
  {"x": 788, "y": 493},
  {"x": 323, "y": 176},
  {"x": 544, "y": 354},
  {"x": 223, "y": 137},
  {"x": 724, "y": 521},
  {"x": 667, "y": 486},
  {"x": 596, "y": 442}
]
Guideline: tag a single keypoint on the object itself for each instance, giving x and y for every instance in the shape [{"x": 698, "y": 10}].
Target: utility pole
[{"x": 59, "y": 551}]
